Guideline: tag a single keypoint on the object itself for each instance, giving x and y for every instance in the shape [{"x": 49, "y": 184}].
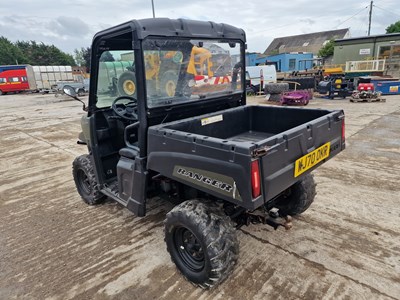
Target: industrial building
[
  {"x": 378, "y": 53},
  {"x": 295, "y": 53},
  {"x": 383, "y": 46},
  {"x": 287, "y": 62},
  {"x": 310, "y": 42}
]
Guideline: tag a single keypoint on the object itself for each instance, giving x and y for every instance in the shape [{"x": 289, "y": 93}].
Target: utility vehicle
[{"x": 162, "y": 130}]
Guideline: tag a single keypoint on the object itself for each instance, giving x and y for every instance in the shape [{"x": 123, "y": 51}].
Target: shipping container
[
  {"x": 16, "y": 79},
  {"x": 35, "y": 78},
  {"x": 388, "y": 87},
  {"x": 47, "y": 77}
]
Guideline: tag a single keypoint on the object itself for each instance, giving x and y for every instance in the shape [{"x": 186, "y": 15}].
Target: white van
[{"x": 257, "y": 73}]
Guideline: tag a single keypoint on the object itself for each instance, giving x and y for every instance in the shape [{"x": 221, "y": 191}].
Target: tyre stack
[
  {"x": 275, "y": 90},
  {"x": 305, "y": 83}
]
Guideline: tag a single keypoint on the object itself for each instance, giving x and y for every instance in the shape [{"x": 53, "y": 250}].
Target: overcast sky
[{"x": 70, "y": 24}]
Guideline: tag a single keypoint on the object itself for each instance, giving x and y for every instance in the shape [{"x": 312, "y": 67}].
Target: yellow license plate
[{"x": 311, "y": 159}]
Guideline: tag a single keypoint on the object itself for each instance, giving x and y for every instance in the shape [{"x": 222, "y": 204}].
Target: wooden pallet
[{"x": 367, "y": 99}]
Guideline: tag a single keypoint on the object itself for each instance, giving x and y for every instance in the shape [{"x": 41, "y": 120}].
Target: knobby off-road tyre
[
  {"x": 168, "y": 83},
  {"x": 276, "y": 88},
  {"x": 85, "y": 180},
  {"x": 126, "y": 84},
  {"x": 297, "y": 198},
  {"x": 275, "y": 97},
  {"x": 202, "y": 242}
]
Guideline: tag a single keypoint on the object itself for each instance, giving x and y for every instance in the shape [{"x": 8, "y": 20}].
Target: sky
[{"x": 71, "y": 24}]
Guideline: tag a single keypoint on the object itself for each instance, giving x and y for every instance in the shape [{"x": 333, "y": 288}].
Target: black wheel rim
[
  {"x": 189, "y": 249},
  {"x": 83, "y": 181}
]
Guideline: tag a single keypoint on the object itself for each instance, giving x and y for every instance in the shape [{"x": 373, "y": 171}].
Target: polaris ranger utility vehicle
[{"x": 163, "y": 118}]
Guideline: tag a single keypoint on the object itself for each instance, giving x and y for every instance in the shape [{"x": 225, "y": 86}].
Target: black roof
[{"x": 176, "y": 28}]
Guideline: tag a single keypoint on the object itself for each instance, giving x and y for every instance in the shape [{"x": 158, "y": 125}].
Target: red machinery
[
  {"x": 366, "y": 92},
  {"x": 367, "y": 87}
]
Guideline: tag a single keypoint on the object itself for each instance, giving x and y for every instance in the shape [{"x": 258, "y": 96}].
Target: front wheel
[
  {"x": 297, "y": 198},
  {"x": 85, "y": 180},
  {"x": 202, "y": 242}
]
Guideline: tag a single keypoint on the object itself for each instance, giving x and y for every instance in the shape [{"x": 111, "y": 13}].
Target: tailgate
[{"x": 298, "y": 151}]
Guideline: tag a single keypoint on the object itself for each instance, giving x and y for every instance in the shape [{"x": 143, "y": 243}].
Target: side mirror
[{"x": 69, "y": 90}]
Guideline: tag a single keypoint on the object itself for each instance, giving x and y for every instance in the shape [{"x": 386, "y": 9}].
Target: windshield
[{"x": 185, "y": 70}]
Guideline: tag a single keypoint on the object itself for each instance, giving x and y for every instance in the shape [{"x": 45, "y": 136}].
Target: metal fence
[{"x": 377, "y": 65}]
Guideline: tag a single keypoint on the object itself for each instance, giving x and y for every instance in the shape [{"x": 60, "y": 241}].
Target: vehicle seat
[{"x": 128, "y": 152}]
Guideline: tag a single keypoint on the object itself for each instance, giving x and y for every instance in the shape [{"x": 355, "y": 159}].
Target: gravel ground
[{"x": 53, "y": 246}]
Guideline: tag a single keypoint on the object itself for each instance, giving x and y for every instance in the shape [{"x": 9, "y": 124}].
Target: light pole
[
  {"x": 370, "y": 17},
  {"x": 152, "y": 6}
]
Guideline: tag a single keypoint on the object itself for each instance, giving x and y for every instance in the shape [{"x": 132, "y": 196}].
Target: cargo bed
[
  {"x": 247, "y": 124},
  {"x": 229, "y": 140}
]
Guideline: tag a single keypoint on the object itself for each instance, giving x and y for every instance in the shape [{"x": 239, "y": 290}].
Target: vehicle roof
[{"x": 166, "y": 27}]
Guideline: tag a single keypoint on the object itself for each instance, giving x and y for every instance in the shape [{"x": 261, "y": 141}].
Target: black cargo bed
[
  {"x": 250, "y": 136},
  {"x": 250, "y": 124}
]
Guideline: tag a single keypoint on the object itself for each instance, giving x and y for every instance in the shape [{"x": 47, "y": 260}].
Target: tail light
[{"x": 255, "y": 179}]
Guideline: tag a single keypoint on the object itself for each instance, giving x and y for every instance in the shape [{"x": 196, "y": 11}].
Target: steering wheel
[{"x": 126, "y": 111}]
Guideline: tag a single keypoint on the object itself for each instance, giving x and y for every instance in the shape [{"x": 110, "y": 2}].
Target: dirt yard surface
[{"x": 53, "y": 246}]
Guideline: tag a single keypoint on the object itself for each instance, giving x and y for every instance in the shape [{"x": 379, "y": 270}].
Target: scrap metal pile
[{"x": 366, "y": 93}]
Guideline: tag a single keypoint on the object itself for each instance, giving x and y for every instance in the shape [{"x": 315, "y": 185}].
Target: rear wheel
[
  {"x": 81, "y": 92},
  {"x": 85, "y": 180},
  {"x": 297, "y": 198},
  {"x": 202, "y": 242}
]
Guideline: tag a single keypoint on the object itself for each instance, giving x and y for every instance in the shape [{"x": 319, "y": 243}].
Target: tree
[
  {"x": 9, "y": 53},
  {"x": 327, "y": 50},
  {"x": 82, "y": 57},
  {"x": 44, "y": 55},
  {"x": 33, "y": 53},
  {"x": 392, "y": 28}
]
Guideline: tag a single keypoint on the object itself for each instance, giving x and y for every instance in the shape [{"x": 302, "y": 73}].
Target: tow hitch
[{"x": 271, "y": 218}]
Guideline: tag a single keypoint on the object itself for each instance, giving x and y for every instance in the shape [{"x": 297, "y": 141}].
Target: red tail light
[{"x": 255, "y": 179}]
